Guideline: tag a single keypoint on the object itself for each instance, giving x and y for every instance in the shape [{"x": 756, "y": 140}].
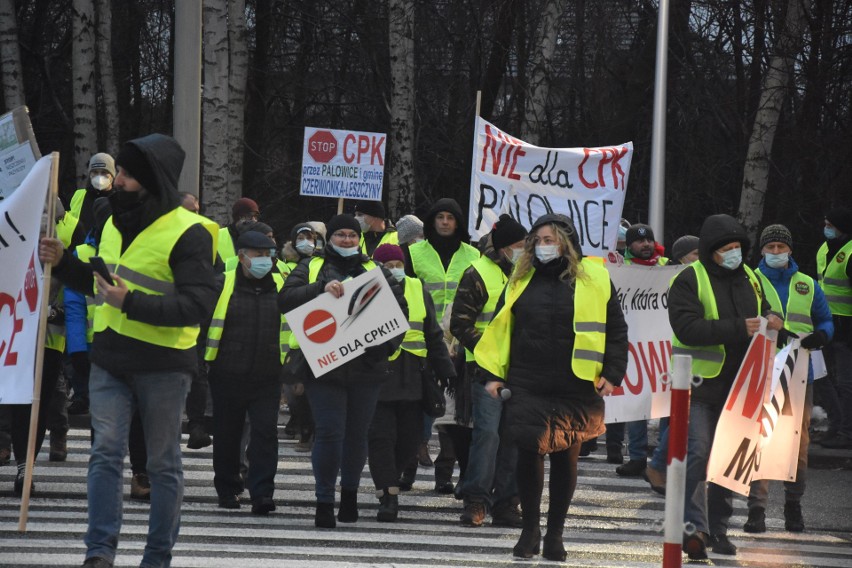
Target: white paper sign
[
  {"x": 343, "y": 164},
  {"x": 333, "y": 331},
  {"x": 16, "y": 158}
]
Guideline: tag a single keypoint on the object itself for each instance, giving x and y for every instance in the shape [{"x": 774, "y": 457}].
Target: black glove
[
  {"x": 784, "y": 337},
  {"x": 80, "y": 363},
  {"x": 816, "y": 340},
  {"x": 376, "y": 353}
]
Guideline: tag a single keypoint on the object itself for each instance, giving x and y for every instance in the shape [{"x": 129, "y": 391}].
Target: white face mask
[
  {"x": 365, "y": 226},
  {"x": 776, "y": 260},
  {"x": 515, "y": 255},
  {"x": 345, "y": 251},
  {"x": 397, "y": 273},
  {"x": 305, "y": 247},
  {"x": 100, "y": 182},
  {"x": 546, "y": 253},
  {"x": 731, "y": 259}
]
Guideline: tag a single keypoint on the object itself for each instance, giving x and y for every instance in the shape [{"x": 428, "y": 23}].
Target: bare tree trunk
[
  {"x": 400, "y": 183},
  {"x": 237, "y": 79},
  {"x": 214, "y": 168},
  {"x": 544, "y": 47},
  {"x": 10, "y": 57},
  {"x": 775, "y": 85},
  {"x": 83, "y": 85},
  {"x": 107, "y": 77}
]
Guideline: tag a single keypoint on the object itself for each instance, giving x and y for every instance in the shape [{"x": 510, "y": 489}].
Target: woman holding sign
[
  {"x": 344, "y": 399},
  {"x": 559, "y": 341}
]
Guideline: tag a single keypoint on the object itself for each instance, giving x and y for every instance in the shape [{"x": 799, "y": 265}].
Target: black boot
[
  {"x": 756, "y": 522},
  {"x": 324, "y": 517},
  {"x": 793, "y": 520},
  {"x": 553, "y": 547},
  {"x": 388, "y": 505},
  {"x": 348, "y": 512},
  {"x": 529, "y": 544}
]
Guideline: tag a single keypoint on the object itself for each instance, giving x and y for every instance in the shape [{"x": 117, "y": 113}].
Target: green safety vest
[
  {"x": 592, "y": 291},
  {"x": 77, "y": 202},
  {"x": 414, "y": 341},
  {"x": 389, "y": 238},
  {"x": 313, "y": 271},
  {"x": 84, "y": 253},
  {"x": 707, "y": 360},
  {"x": 834, "y": 279},
  {"x": 217, "y": 324},
  {"x": 800, "y": 298},
  {"x": 495, "y": 280},
  {"x": 144, "y": 266},
  {"x": 441, "y": 285},
  {"x": 226, "y": 249},
  {"x": 55, "y": 336}
]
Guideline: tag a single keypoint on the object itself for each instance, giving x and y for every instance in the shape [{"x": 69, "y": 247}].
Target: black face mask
[{"x": 123, "y": 201}]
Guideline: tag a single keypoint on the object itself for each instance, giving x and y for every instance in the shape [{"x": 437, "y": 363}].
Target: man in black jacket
[
  {"x": 739, "y": 302},
  {"x": 143, "y": 353}
]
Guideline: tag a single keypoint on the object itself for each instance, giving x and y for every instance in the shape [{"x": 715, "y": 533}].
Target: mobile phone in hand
[{"x": 99, "y": 266}]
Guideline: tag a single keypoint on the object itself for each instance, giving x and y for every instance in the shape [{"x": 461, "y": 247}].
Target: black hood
[
  {"x": 717, "y": 231},
  {"x": 566, "y": 223},
  {"x": 451, "y": 206},
  {"x": 165, "y": 159}
]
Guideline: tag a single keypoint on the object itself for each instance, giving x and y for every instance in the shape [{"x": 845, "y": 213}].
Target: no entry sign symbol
[{"x": 319, "y": 326}]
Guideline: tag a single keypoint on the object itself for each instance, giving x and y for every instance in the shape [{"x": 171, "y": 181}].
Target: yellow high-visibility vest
[
  {"x": 84, "y": 253},
  {"x": 833, "y": 277},
  {"x": 144, "y": 266},
  {"x": 226, "y": 249},
  {"x": 707, "y": 360},
  {"x": 800, "y": 299},
  {"x": 441, "y": 284},
  {"x": 389, "y": 238},
  {"x": 217, "y": 324},
  {"x": 592, "y": 291},
  {"x": 495, "y": 280},
  {"x": 77, "y": 202},
  {"x": 414, "y": 340}
]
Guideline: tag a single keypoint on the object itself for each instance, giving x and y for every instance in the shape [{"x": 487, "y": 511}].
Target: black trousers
[
  {"x": 393, "y": 439},
  {"x": 21, "y": 412},
  {"x": 562, "y": 483},
  {"x": 233, "y": 398}
]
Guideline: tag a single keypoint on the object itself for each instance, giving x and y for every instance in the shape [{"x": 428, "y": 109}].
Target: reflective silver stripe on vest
[
  {"x": 285, "y": 348},
  {"x": 217, "y": 323},
  {"x": 285, "y": 327},
  {"x": 54, "y": 329},
  {"x": 410, "y": 345},
  {"x": 90, "y": 300},
  {"x": 434, "y": 287},
  {"x": 99, "y": 300},
  {"x": 485, "y": 317},
  {"x": 838, "y": 299},
  {"x": 161, "y": 286},
  {"x": 586, "y": 326},
  {"x": 835, "y": 281},
  {"x": 712, "y": 356},
  {"x": 589, "y": 355},
  {"x": 416, "y": 325},
  {"x": 800, "y": 318},
  {"x": 213, "y": 343}
]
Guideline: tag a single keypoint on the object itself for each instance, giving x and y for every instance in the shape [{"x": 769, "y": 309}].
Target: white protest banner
[
  {"x": 21, "y": 284},
  {"x": 333, "y": 331},
  {"x": 643, "y": 294},
  {"x": 343, "y": 164},
  {"x": 510, "y": 176},
  {"x": 18, "y": 150},
  {"x": 757, "y": 436}
]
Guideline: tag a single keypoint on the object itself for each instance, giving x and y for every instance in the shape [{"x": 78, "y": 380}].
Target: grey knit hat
[
  {"x": 776, "y": 234},
  {"x": 408, "y": 228},
  {"x": 683, "y": 246}
]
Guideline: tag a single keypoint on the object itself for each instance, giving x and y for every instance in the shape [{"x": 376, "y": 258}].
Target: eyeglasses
[{"x": 344, "y": 236}]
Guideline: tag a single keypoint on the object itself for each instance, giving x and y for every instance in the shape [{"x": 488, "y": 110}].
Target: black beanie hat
[
  {"x": 639, "y": 231},
  {"x": 506, "y": 232},
  {"x": 683, "y": 246},
  {"x": 254, "y": 240},
  {"x": 343, "y": 221},
  {"x": 136, "y": 164},
  {"x": 841, "y": 218},
  {"x": 371, "y": 208}
]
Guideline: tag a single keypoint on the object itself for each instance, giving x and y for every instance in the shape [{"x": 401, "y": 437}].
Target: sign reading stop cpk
[{"x": 322, "y": 146}]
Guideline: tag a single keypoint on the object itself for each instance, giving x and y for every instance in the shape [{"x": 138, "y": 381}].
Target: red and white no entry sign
[{"x": 319, "y": 326}]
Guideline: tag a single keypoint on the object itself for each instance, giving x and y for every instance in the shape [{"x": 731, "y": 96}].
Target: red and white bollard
[{"x": 681, "y": 379}]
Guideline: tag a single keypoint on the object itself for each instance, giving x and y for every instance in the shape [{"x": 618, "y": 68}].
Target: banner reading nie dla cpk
[
  {"x": 333, "y": 331},
  {"x": 343, "y": 164},
  {"x": 511, "y": 176},
  {"x": 21, "y": 284}
]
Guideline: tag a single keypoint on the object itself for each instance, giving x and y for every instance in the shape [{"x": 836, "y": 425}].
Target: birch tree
[
  {"x": 543, "y": 47},
  {"x": 774, "y": 88},
  {"x": 10, "y": 57},
  {"x": 400, "y": 186},
  {"x": 107, "y": 77},
  {"x": 237, "y": 78},
  {"x": 83, "y": 85}
]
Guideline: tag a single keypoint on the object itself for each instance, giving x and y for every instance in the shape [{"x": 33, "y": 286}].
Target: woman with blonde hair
[{"x": 559, "y": 341}]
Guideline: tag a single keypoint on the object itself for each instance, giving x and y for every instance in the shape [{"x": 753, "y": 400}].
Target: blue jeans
[
  {"x": 342, "y": 417},
  {"x": 660, "y": 457},
  {"x": 637, "y": 440},
  {"x": 160, "y": 399},
  {"x": 708, "y": 507},
  {"x": 493, "y": 459}
]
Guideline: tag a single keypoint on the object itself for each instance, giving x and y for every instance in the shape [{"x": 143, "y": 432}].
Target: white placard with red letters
[
  {"x": 343, "y": 163},
  {"x": 333, "y": 331},
  {"x": 21, "y": 284}
]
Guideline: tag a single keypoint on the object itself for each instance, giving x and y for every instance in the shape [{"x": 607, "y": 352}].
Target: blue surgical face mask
[
  {"x": 731, "y": 259},
  {"x": 397, "y": 273},
  {"x": 260, "y": 266},
  {"x": 829, "y": 232},
  {"x": 622, "y": 233},
  {"x": 546, "y": 253},
  {"x": 345, "y": 251},
  {"x": 776, "y": 260},
  {"x": 305, "y": 247}
]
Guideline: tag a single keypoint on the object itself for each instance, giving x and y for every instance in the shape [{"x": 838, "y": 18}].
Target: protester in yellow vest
[
  {"x": 344, "y": 399},
  {"x": 489, "y": 482},
  {"x": 422, "y": 356},
  {"x": 375, "y": 229},
  {"x": 801, "y": 302},
  {"x": 244, "y": 351},
  {"x": 559, "y": 342},
  {"x": 143, "y": 352},
  {"x": 834, "y": 271},
  {"x": 99, "y": 184},
  {"x": 715, "y": 306},
  {"x": 243, "y": 210}
]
